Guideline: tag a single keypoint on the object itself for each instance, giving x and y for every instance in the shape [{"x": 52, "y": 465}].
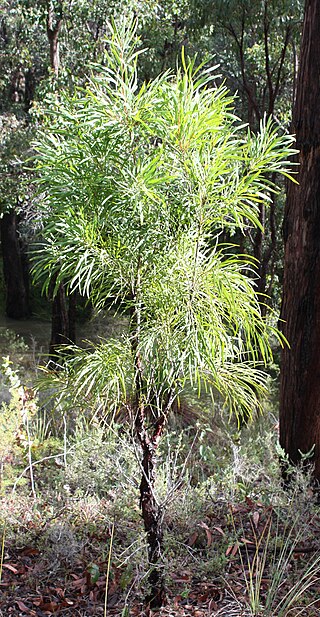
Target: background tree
[
  {"x": 254, "y": 43},
  {"x": 257, "y": 52},
  {"x": 18, "y": 37},
  {"x": 300, "y": 371},
  {"x": 137, "y": 181},
  {"x": 15, "y": 199},
  {"x": 45, "y": 45}
]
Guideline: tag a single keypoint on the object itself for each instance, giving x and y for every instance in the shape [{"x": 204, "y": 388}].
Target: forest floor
[
  {"x": 44, "y": 576},
  {"x": 237, "y": 544},
  {"x": 50, "y": 574}
]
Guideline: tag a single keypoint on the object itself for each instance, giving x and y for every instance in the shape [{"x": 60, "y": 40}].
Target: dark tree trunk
[
  {"x": 151, "y": 511},
  {"x": 59, "y": 321},
  {"x": 300, "y": 374},
  {"x": 148, "y": 438},
  {"x": 54, "y": 50},
  {"x": 14, "y": 268},
  {"x": 72, "y": 316},
  {"x": 29, "y": 90},
  {"x": 63, "y": 328},
  {"x": 63, "y": 317},
  {"x": 264, "y": 250}
]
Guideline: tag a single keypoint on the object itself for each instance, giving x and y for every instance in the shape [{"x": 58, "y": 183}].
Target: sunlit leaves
[{"x": 137, "y": 185}]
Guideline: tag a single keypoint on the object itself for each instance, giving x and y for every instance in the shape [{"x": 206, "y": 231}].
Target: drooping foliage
[{"x": 138, "y": 183}]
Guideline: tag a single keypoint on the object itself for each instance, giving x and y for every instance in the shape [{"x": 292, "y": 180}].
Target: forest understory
[{"x": 236, "y": 542}]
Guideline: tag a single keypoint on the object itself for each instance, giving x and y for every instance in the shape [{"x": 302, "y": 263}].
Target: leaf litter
[{"x": 30, "y": 587}]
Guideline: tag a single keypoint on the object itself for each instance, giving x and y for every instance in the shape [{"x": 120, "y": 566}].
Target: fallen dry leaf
[
  {"x": 24, "y": 608},
  {"x": 219, "y": 530},
  {"x": 193, "y": 538},
  {"x": 10, "y": 567},
  {"x": 50, "y": 607},
  {"x": 29, "y": 551},
  {"x": 232, "y": 550},
  {"x": 37, "y": 601},
  {"x": 208, "y": 533}
]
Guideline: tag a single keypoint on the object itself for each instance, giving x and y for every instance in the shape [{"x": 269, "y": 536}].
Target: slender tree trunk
[
  {"x": 151, "y": 511},
  {"x": 264, "y": 251},
  {"x": 72, "y": 315},
  {"x": 264, "y": 242},
  {"x": 63, "y": 321},
  {"x": 59, "y": 321},
  {"x": 300, "y": 373},
  {"x": 29, "y": 90},
  {"x": 53, "y": 28},
  {"x": 14, "y": 268},
  {"x": 148, "y": 439}
]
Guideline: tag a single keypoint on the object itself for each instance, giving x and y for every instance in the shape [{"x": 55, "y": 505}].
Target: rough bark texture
[
  {"x": 14, "y": 268},
  {"x": 300, "y": 375},
  {"x": 151, "y": 512},
  {"x": 148, "y": 430}
]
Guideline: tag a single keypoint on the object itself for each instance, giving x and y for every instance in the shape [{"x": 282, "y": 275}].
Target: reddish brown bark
[{"x": 300, "y": 374}]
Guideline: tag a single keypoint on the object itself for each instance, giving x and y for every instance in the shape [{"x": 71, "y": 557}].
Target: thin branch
[
  {"x": 281, "y": 62},
  {"x": 41, "y": 460},
  {"x": 246, "y": 85},
  {"x": 178, "y": 483}
]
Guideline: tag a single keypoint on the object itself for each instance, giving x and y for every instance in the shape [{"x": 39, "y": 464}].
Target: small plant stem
[
  {"x": 25, "y": 415},
  {"x": 64, "y": 441},
  {"x": 41, "y": 460},
  {"x": 108, "y": 572},
  {"x": 2, "y": 550}
]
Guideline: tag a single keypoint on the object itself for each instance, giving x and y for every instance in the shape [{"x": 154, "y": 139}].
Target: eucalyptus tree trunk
[
  {"x": 54, "y": 23},
  {"x": 14, "y": 268},
  {"x": 300, "y": 372}
]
